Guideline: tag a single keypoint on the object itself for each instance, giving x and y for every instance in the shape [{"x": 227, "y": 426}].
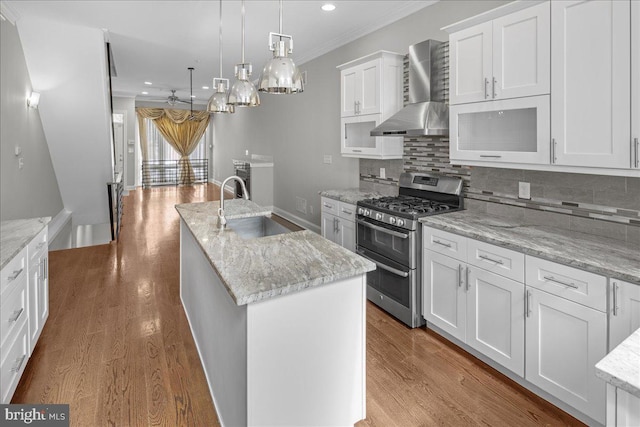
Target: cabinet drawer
[
  {"x": 330, "y": 206},
  {"x": 504, "y": 262},
  {"x": 575, "y": 285},
  {"x": 13, "y": 271},
  {"x": 445, "y": 243},
  {"x": 38, "y": 245},
  {"x": 12, "y": 312},
  {"x": 347, "y": 211},
  {"x": 14, "y": 363}
]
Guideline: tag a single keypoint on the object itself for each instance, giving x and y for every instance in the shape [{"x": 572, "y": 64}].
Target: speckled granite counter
[
  {"x": 352, "y": 195},
  {"x": 620, "y": 368},
  {"x": 16, "y": 234},
  {"x": 258, "y": 269},
  {"x": 591, "y": 253}
]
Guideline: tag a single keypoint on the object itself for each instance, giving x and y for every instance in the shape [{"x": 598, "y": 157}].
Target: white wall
[
  {"x": 30, "y": 191},
  {"x": 298, "y": 130},
  {"x": 128, "y": 106},
  {"x": 67, "y": 65}
]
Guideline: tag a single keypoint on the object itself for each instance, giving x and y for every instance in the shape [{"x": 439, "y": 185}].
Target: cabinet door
[
  {"x": 564, "y": 341},
  {"x": 43, "y": 295},
  {"x": 522, "y": 53},
  {"x": 470, "y": 74},
  {"x": 347, "y": 234},
  {"x": 349, "y": 87},
  {"x": 635, "y": 83},
  {"x": 369, "y": 90},
  {"x": 495, "y": 318},
  {"x": 590, "y": 84},
  {"x": 329, "y": 227},
  {"x": 444, "y": 298},
  {"x": 624, "y": 317}
]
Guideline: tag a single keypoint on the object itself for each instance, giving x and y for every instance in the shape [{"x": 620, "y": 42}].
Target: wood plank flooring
[{"x": 117, "y": 346}]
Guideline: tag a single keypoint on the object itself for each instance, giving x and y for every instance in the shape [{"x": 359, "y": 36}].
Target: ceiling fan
[{"x": 173, "y": 99}]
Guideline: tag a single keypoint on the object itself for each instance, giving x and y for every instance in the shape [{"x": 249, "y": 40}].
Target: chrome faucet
[{"x": 222, "y": 221}]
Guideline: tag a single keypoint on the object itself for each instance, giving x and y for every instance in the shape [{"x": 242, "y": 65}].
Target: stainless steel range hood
[{"x": 426, "y": 113}]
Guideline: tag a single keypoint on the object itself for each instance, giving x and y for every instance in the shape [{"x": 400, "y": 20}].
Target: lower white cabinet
[
  {"x": 38, "y": 287},
  {"x": 481, "y": 308},
  {"x": 624, "y": 316},
  {"x": 623, "y": 409},
  {"x": 564, "y": 342},
  {"x": 338, "y": 223}
]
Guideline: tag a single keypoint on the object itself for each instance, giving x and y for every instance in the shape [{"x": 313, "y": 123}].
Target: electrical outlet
[
  {"x": 20, "y": 162},
  {"x": 327, "y": 159},
  {"x": 301, "y": 205},
  {"x": 383, "y": 173},
  {"x": 524, "y": 190},
  {"x": 246, "y": 152}
]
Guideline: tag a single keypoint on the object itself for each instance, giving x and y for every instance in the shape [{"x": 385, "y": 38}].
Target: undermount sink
[{"x": 256, "y": 226}]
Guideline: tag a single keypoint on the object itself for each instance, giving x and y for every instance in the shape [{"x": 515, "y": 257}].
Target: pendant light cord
[
  {"x": 280, "y": 16},
  {"x": 220, "y": 41},
  {"x": 191, "y": 91},
  {"x": 243, "y": 31}
]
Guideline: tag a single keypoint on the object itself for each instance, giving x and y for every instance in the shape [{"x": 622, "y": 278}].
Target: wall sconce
[{"x": 33, "y": 100}]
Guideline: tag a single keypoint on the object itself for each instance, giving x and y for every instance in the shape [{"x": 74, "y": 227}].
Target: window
[{"x": 160, "y": 149}]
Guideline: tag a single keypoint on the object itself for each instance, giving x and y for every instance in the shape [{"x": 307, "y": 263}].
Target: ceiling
[{"x": 156, "y": 41}]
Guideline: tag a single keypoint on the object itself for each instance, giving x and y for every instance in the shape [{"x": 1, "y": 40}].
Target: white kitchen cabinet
[
  {"x": 623, "y": 408},
  {"x": 512, "y": 131},
  {"x": 38, "y": 286},
  {"x": 370, "y": 92},
  {"x": 590, "y": 89},
  {"x": 624, "y": 316},
  {"x": 507, "y": 57},
  {"x": 564, "y": 341},
  {"x": 482, "y": 309},
  {"x": 338, "y": 223}
]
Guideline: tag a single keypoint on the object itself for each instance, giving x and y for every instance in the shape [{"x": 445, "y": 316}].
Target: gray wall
[
  {"x": 33, "y": 190},
  {"x": 298, "y": 130}
]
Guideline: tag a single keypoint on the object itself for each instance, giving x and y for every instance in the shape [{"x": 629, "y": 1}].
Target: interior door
[{"x": 119, "y": 137}]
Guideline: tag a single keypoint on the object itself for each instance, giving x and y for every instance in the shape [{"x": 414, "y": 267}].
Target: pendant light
[
  {"x": 243, "y": 93},
  {"x": 218, "y": 101},
  {"x": 280, "y": 75}
]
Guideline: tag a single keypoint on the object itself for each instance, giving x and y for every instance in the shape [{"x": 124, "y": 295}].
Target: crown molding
[{"x": 8, "y": 13}]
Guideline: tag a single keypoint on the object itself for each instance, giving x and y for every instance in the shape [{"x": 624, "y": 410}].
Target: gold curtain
[{"x": 181, "y": 130}]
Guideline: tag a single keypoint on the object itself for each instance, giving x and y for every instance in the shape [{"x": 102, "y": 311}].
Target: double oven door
[{"x": 393, "y": 285}]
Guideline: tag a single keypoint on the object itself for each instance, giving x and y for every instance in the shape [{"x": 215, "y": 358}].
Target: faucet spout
[{"x": 222, "y": 221}]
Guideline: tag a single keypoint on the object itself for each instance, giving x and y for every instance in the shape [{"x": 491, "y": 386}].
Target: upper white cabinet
[
  {"x": 370, "y": 92},
  {"x": 590, "y": 91},
  {"x": 635, "y": 83},
  {"x": 507, "y": 57}
]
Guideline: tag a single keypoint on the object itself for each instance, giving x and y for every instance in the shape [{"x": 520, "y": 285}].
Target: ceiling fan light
[
  {"x": 243, "y": 93},
  {"x": 280, "y": 74}
]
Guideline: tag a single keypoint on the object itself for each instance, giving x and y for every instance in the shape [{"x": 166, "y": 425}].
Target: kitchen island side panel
[
  {"x": 219, "y": 328},
  {"x": 306, "y": 356}
]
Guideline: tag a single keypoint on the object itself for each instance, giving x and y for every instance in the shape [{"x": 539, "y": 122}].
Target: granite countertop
[
  {"x": 596, "y": 254},
  {"x": 351, "y": 195},
  {"x": 262, "y": 268},
  {"x": 16, "y": 234},
  {"x": 620, "y": 367}
]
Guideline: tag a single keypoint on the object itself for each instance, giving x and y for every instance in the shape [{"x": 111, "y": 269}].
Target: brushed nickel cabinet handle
[
  {"x": 460, "y": 275},
  {"x": 16, "y": 315},
  {"x": 560, "y": 282},
  {"x": 467, "y": 278},
  {"x": 553, "y": 151},
  {"x": 347, "y": 212},
  {"x": 486, "y": 258},
  {"x": 438, "y": 242},
  {"x": 491, "y": 156},
  {"x": 527, "y": 304},
  {"x": 15, "y": 275},
  {"x": 636, "y": 143},
  {"x": 493, "y": 88},
  {"x": 486, "y": 88},
  {"x": 327, "y": 205}
]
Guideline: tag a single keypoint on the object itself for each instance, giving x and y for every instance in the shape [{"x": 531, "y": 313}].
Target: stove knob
[
  {"x": 400, "y": 222},
  {"x": 367, "y": 212},
  {"x": 392, "y": 220},
  {"x": 360, "y": 211},
  {"x": 379, "y": 216}
]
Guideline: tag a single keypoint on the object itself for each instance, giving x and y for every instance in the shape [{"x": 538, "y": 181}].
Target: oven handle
[
  {"x": 384, "y": 267},
  {"x": 382, "y": 229}
]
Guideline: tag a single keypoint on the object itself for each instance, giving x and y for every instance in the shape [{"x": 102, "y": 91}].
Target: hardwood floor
[{"x": 117, "y": 346}]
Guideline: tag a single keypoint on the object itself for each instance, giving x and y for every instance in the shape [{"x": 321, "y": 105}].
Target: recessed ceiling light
[
  {"x": 145, "y": 93},
  {"x": 205, "y": 87},
  {"x": 328, "y": 7},
  {"x": 148, "y": 83}
]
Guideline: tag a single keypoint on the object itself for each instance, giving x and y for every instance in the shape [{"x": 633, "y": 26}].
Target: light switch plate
[
  {"x": 524, "y": 190},
  {"x": 327, "y": 159},
  {"x": 383, "y": 173}
]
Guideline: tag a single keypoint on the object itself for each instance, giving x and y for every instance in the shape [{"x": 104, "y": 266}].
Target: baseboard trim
[
  {"x": 58, "y": 223},
  {"x": 296, "y": 220}
]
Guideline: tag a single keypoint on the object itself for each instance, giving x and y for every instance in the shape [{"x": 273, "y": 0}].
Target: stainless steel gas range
[{"x": 388, "y": 234}]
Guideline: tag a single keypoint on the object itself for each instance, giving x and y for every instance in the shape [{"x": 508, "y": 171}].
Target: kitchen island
[{"x": 279, "y": 321}]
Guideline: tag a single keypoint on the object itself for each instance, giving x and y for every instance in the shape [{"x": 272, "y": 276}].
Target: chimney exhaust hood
[{"x": 426, "y": 113}]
